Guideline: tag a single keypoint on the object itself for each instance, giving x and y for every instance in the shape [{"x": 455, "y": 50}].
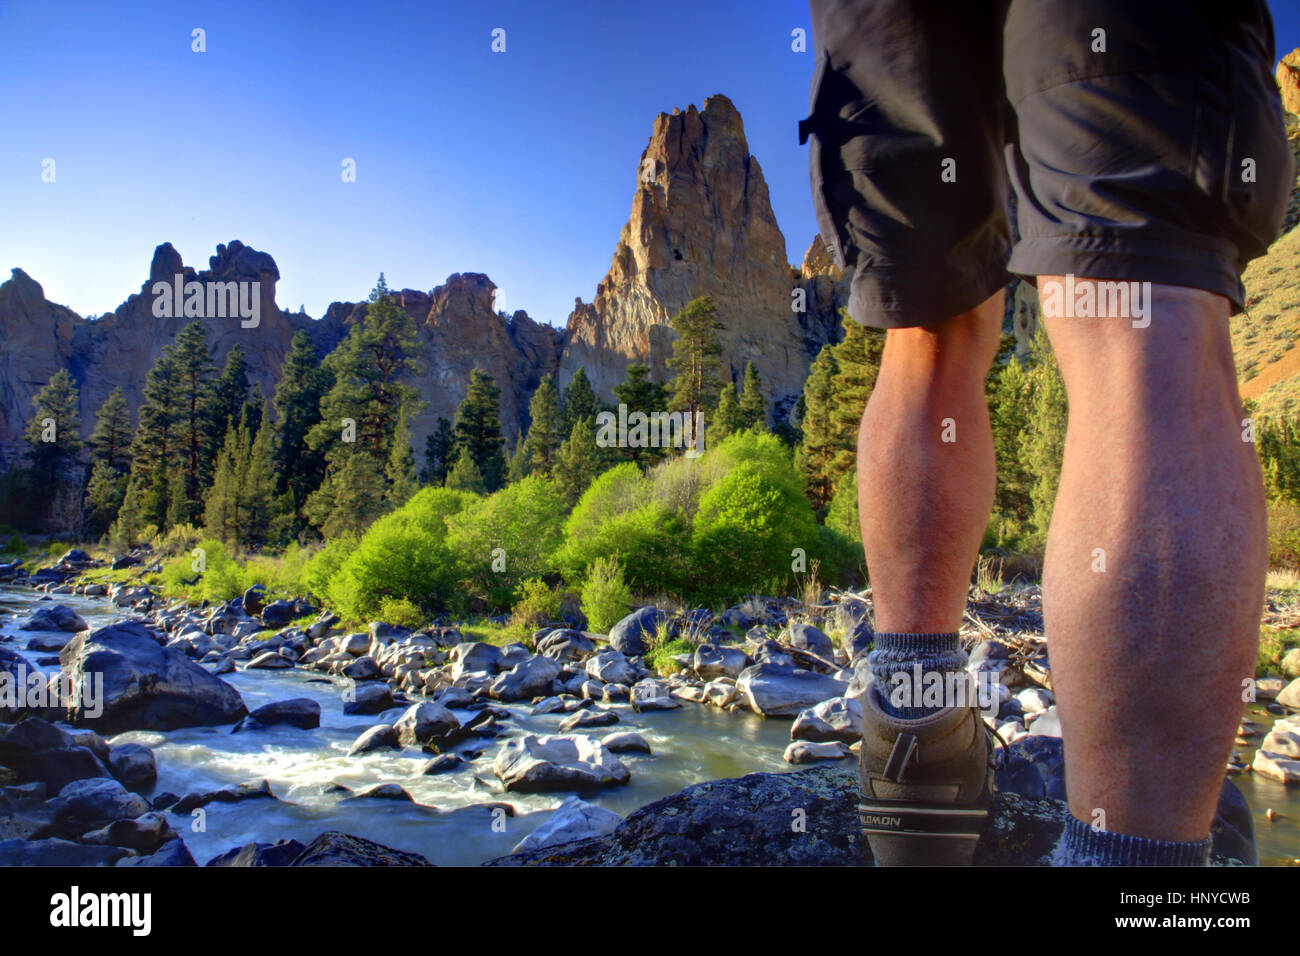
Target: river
[{"x": 691, "y": 744}]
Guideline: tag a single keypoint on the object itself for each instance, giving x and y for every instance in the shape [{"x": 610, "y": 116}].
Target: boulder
[
  {"x": 611, "y": 667},
  {"x": 838, "y": 719},
  {"x": 144, "y": 834},
  {"x": 811, "y": 640},
  {"x": 56, "y": 852},
  {"x": 145, "y": 685},
  {"x": 424, "y": 722},
  {"x": 279, "y": 853},
  {"x": 368, "y": 699},
  {"x": 134, "y": 767},
  {"x": 652, "y": 694},
  {"x": 90, "y": 804},
  {"x": 1289, "y": 696},
  {"x": 474, "y": 657},
  {"x": 278, "y": 614},
  {"x": 301, "y": 712},
  {"x": 588, "y": 718},
  {"x": 342, "y": 849},
  {"x": 172, "y": 853},
  {"x": 633, "y": 634},
  {"x": 269, "y": 660},
  {"x": 532, "y": 678},
  {"x": 379, "y": 737},
  {"x": 565, "y": 644},
  {"x": 778, "y": 689},
  {"x": 803, "y": 751},
  {"x": 532, "y": 764},
  {"x": 442, "y": 764},
  {"x": 53, "y": 617},
  {"x": 627, "y": 741},
  {"x": 574, "y": 819},
  {"x": 254, "y": 600},
  {"x": 711, "y": 661}
]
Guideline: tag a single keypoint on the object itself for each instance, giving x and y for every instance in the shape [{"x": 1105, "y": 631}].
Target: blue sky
[{"x": 521, "y": 164}]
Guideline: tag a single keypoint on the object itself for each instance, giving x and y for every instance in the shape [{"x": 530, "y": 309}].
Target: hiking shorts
[{"x": 1143, "y": 139}]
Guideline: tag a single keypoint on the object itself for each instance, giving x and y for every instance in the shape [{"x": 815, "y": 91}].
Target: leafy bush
[
  {"x": 206, "y": 572},
  {"x": 652, "y": 543},
  {"x": 606, "y": 598},
  {"x": 179, "y": 539},
  {"x": 321, "y": 566},
  {"x": 748, "y": 525},
  {"x": 401, "y": 612},
  {"x": 516, "y": 530},
  {"x": 537, "y": 604},
  {"x": 660, "y": 657},
  {"x": 1283, "y": 535},
  {"x": 404, "y": 555}
]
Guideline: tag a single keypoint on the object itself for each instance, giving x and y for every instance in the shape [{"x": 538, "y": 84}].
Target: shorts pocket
[{"x": 832, "y": 184}]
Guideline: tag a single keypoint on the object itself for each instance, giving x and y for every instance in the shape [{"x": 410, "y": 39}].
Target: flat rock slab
[{"x": 342, "y": 849}]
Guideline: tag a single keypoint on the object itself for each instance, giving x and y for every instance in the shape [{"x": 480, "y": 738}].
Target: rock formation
[{"x": 1288, "y": 80}]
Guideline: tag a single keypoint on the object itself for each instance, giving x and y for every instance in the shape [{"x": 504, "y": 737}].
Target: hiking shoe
[{"x": 926, "y": 785}]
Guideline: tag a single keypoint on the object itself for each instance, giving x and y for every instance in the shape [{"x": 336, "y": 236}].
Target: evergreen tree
[
  {"x": 242, "y": 509},
  {"x": 401, "y": 467},
  {"x": 195, "y": 402},
  {"x": 579, "y": 400},
  {"x": 465, "y": 476},
  {"x": 438, "y": 448},
  {"x": 696, "y": 361},
  {"x": 104, "y": 494},
  {"x": 1043, "y": 445},
  {"x": 520, "y": 461},
  {"x": 299, "y": 467},
  {"x": 545, "y": 433},
  {"x": 814, "y": 457},
  {"x": 1009, "y": 398},
  {"x": 230, "y": 394},
  {"x": 478, "y": 429},
  {"x": 154, "y": 450},
  {"x": 578, "y": 461},
  {"x": 222, "y": 516},
  {"x": 110, "y": 440},
  {"x": 639, "y": 394},
  {"x": 752, "y": 412},
  {"x": 124, "y": 529},
  {"x": 54, "y": 431},
  {"x": 350, "y": 498},
  {"x": 727, "y": 418}
]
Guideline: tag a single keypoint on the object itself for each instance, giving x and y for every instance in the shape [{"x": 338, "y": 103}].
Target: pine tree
[
  {"x": 350, "y": 498},
  {"x": 154, "y": 453},
  {"x": 727, "y": 418},
  {"x": 195, "y": 400},
  {"x": 1043, "y": 444},
  {"x": 579, "y": 400},
  {"x": 230, "y": 393},
  {"x": 815, "y": 453},
  {"x": 104, "y": 494},
  {"x": 752, "y": 410},
  {"x": 578, "y": 461},
  {"x": 438, "y": 449},
  {"x": 1009, "y": 399},
  {"x": 465, "y": 476},
  {"x": 221, "y": 512},
  {"x": 639, "y": 394},
  {"x": 110, "y": 440},
  {"x": 478, "y": 429},
  {"x": 545, "y": 433},
  {"x": 401, "y": 467},
  {"x": 54, "y": 431},
  {"x": 696, "y": 361},
  {"x": 299, "y": 467},
  {"x": 124, "y": 529},
  {"x": 520, "y": 461}
]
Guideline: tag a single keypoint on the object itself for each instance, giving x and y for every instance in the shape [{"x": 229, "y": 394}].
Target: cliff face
[{"x": 701, "y": 224}]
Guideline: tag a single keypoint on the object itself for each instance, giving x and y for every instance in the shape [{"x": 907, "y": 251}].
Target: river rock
[
  {"x": 838, "y": 719},
  {"x": 633, "y": 634},
  {"x": 532, "y": 764},
  {"x": 720, "y": 692},
  {"x": 254, "y": 600},
  {"x": 279, "y": 853},
  {"x": 278, "y": 614},
  {"x": 269, "y": 660},
  {"x": 564, "y": 644},
  {"x": 1289, "y": 696},
  {"x": 342, "y": 849},
  {"x": 442, "y": 763},
  {"x": 1276, "y": 766},
  {"x": 134, "y": 767},
  {"x": 85, "y": 805},
  {"x": 53, "y": 617},
  {"x": 56, "y": 852},
  {"x": 652, "y": 694},
  {"x": 777, "y": 689},
  {"x": 711, "y": 662},
  {"x": 574, "y": 819},
  {"x": 810, "y": 639},
  {"x": 588, "y": 718},
  {"x": 145, "y": 686},
  {"x": 249, "y": 790},
  {"x": 1285, "y": 743},
  {"x": 424, "y": 722},
  {"x": 627, "y": 741},
  {"x": 532, "y": 678},
  {"x": 300, "y": 712},
  {"x": 368, "y": 699},
  {"x": 379, "y": 737},
  {"x": 611, "y": 667},
  {"x": 172, "y": 853},
  {"x": 474, "y": 657},
  {"x": 803, "y": 751},
  {"x": 145, "y": 834},
  {"x": 1047, "y": 724}
]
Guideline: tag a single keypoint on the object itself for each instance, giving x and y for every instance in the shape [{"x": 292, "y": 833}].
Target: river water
[{"x": 691, "y": 744}]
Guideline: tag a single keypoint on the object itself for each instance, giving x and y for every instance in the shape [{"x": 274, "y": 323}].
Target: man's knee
[{"x": 968, "y": 340}]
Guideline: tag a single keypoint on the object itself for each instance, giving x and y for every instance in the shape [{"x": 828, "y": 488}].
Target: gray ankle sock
[
  {"x": 1081, "y": 845},
  {"x": 895, "y": 652}
]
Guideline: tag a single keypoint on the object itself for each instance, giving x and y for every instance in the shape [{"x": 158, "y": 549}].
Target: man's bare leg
[
  {"x": 1154, "y": 575},
  {"x": 926, "y": 469}
]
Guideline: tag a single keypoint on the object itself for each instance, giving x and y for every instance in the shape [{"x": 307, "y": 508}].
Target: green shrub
[
  {"x": 219, "y": 576},
  {"x": 748, "y": 526},
  {"x": 660, "y": 657},
  {"x": 321, "y": 566},
  {"x": 537, "y": 604},
  {"x": 510, "y": 535},
  {"x": 1273, "y": 645},
  {"x": 1283, "y": 535},
  {"x": 404, "y": 555},
  {"x": 606, "y": 598},
  {"x": 401, "y": 612}
]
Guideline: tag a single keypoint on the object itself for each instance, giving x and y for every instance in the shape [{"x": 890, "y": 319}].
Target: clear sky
[{"x": 519, "y": 164}]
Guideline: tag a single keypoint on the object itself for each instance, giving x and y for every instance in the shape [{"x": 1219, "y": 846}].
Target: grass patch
[{"x": 1273, "y": 644}]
